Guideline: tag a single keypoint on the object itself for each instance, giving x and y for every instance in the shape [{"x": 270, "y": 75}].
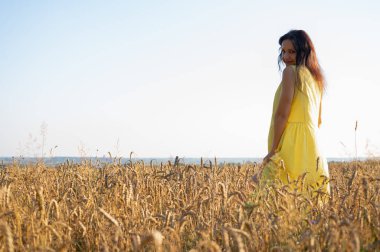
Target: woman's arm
[
  {"x": 284, "y": 105},
  {"x": 283, "y": 109}
]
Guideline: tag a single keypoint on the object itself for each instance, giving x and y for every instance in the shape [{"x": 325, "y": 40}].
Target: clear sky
[{"x": 186, "y": 78}]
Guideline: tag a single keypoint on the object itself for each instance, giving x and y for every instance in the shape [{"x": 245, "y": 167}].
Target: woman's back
[{"x": 306, "y": 100}]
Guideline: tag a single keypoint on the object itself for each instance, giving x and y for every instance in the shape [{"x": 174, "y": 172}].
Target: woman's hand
[{"x": 268, "y": 156}]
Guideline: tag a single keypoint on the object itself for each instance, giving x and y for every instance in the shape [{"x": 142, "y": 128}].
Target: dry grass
[{"x": 135, "y": 206}]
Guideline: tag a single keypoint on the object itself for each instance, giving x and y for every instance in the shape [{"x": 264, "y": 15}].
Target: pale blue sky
[{"x": 167, "y": 78}]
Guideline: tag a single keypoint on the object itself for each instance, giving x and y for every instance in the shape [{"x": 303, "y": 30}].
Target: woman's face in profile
[{"x": 288, "y": 53}]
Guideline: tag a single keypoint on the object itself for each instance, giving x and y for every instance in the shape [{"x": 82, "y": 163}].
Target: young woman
[{"x": 293, "y": 151}]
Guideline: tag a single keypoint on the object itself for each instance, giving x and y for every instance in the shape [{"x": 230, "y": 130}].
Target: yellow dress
[{"x": 298, "y": 156}]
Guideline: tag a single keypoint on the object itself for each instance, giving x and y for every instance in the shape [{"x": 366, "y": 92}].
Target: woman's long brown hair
[{"x": 305, "y": 54}]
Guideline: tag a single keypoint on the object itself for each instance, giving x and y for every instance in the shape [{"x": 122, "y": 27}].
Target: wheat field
[{"x": 137, "y": 206}]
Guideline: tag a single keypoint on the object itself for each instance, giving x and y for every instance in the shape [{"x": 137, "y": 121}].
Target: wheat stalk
[{"x": 7, "y": 233}]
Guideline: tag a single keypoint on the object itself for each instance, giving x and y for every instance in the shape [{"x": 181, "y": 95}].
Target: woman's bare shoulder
[{"x": 289, "y": 72}]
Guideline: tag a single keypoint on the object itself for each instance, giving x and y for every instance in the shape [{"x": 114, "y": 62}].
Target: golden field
[{"x": 178, "y": 207}]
